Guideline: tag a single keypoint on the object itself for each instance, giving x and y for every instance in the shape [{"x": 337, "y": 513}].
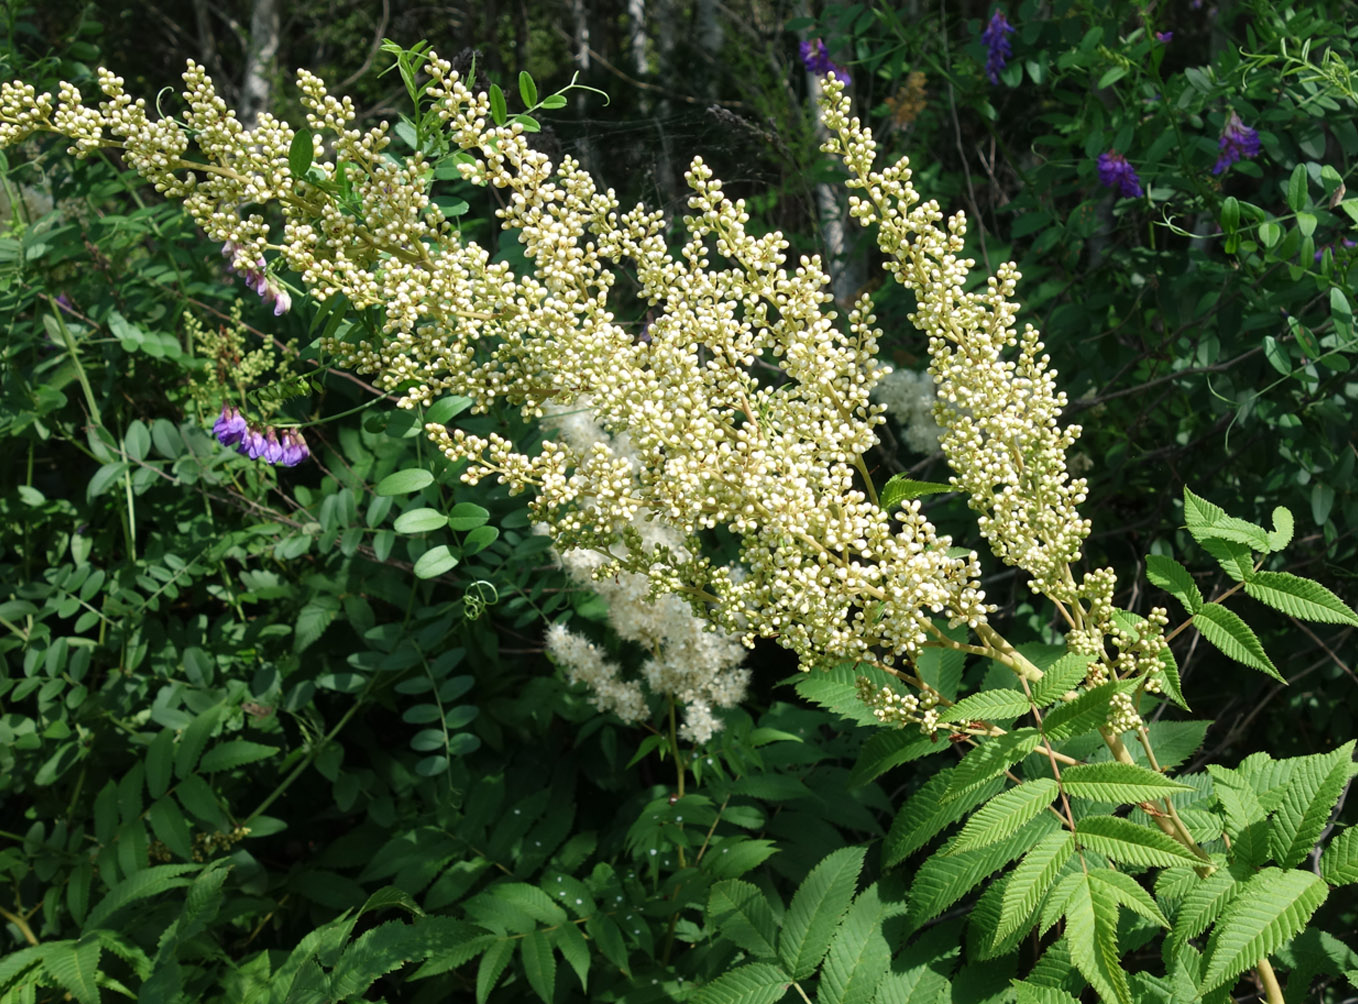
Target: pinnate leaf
[
  {"x": 1271, "y": 908},
  {"x": 1224, "y": 629},
  {"x": 1339, "y": 863},
  {"x": 859, "y": 953},
  {"x": 816, "y": 908},
  {"x": 1119, "y": 783},
  {"x": 1300, "y": 598},
  {"x": 756, "y": 983},
  {"x": 1060, "y": 678},
  {"x": 1004, "y": 814},
  {"x": 1309, "y": 798},
  {"x": 1131, "y": 843},
  {"x": 1173, "y": 578},
  {"x": 1031, "y": 880},
  {"x": 75, "y": 965},
  {"x": 1092, "y": 935},
  {"x": 743, "y": 915}
]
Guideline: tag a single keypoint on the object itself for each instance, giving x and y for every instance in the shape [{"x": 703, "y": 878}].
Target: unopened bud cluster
[{"x": 891, "y": 707}]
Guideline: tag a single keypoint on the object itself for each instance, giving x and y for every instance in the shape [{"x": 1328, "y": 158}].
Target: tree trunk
[{"x": 261, "y": 62}]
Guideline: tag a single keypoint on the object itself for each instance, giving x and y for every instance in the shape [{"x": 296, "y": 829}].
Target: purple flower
[
  {"x": 257, "y": 280},
  {"x": 1116, "y": 173},
  {"x": 1345, "y": 243},
  {"x": 230, "y": 427},
  {"x": 996, "y": 38},
  {"x": 294, "y": 448},
  {"x": 252, "y": 444},
  {"x": 1237, "y": 140},
  {"x": 817, "y": 60},
  {"x": 272, "y": 452},
  {"x": 1164, "y": 36}
]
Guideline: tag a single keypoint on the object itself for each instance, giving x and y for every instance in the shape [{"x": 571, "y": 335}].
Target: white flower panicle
[
  {"x": 747, "y": 406},
  {"x": 999, "y": 403}
]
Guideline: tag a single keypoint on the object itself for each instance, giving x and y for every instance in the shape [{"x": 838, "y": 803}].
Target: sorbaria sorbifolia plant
[{"x": 746, "y": 406}]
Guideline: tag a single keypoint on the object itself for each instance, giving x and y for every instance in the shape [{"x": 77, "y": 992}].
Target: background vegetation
[{"x": 266, "y": 735}]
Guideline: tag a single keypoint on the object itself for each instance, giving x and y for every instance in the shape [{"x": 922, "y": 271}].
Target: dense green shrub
[{"x": 277, "y": 732}]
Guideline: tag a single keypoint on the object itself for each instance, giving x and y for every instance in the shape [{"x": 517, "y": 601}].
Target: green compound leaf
[
  {"x": 1339, "y": 863},
  {"x": 1005, "y": 814},
  {"x": 859, "y": 953},
  {"x": 1129, "y": 892},
  {"x": 75, "y": 965},
  {"x": 1030, "y": 881},
  {"x": 499, "y": 110},
  {"x": 756, "y": 983},
  {"x": 1083, "y": 715},
  {"x": 1299, "y": 597},
  {"x": 742, "y": 913},
  {"x": 1131, "y": 843},
  {"x": 1119, "y": 783},
  {"x": 816, "y": 908},
  {"x": 988, "y": 705},
  {"x": 900, "y": 489},
  {"x": 1032, "y": 993},
  {"x": 1206, "y": 521},
  {"x": 930, "y": 811},
  {"x": 528, "y": 91},
  {"x": 194, "y": 740},
  {"x": 889, "y": 748},
  {"x": 992, "y": 758},
  {"x": 1202, "y": 906},
  {"x": 1173, "y": 578},
  {"x": 1308, "y": 800},
  {"x": 143, "y": 884},
  {"x": 539, "y": 964},
  {"x": 1061, "y": 677},
  {"x": 1235, "y": 559},
  {"x": 492, "y": 966},
  {"x": 943, "y": 879},
  {"x": 1224, "y": 629},
  {"x": 1092, "y": 935},
  {"x": 1269, "y": 910}
]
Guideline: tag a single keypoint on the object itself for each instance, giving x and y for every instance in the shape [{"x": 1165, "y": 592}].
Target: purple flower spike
[
  {"x": 1237, "y": 140},
  {"x": 1116, "y": 173},
  {"x": 1164, "y": 37},
  {"x": 816, "y": 59},
  {"x": 294, "y": 448},
  {"x": 996, "y": 39},
  {"x": 230, "y": 427}
]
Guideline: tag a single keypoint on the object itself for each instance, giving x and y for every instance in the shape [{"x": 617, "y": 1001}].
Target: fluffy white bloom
[
  {"x": 694, "y": 664},
  {"x": 910, "y": 399}
]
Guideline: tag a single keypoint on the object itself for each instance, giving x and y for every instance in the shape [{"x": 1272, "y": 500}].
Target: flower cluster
[
  {"x": 231, "y": 429},
  {"x": 690, "y": 663},
  {"x": 711, "y": 439},
  {"x": 1237, "y": 140},
  {"x": 909, "y": 397},
  {"x": 1117, "y": 174},
  {"x": 816, "y": 59},
  {"x": 996, "y": 40},
  {"x": 998, "y": 403},
  {"x": 257, "y": 279},
  {"x": 891, "y": 707}
]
